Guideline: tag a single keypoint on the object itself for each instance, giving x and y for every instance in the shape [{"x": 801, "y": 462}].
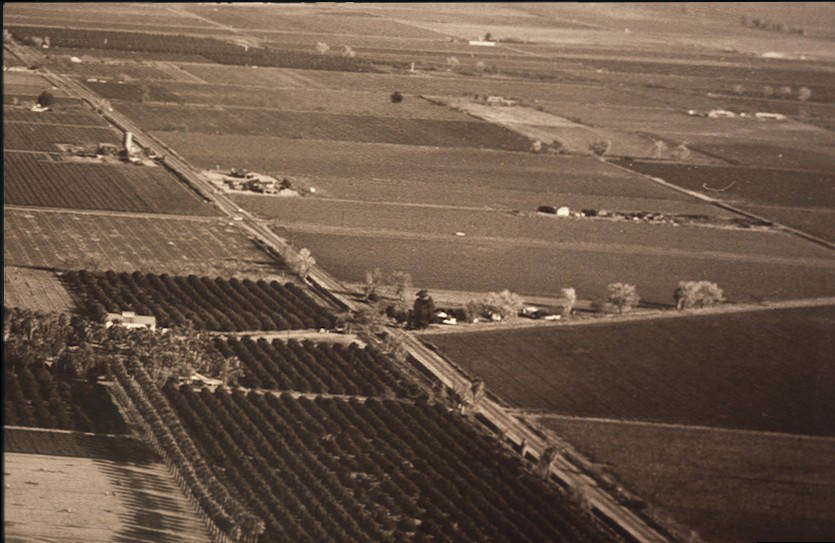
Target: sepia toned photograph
[{"x": 351, "y": 272}]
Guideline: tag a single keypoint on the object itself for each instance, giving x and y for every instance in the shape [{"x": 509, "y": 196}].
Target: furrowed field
[
  {"x": 448, "y": 176},
  {"x": 327, "y": 126},
  {"x": 764, "y": 370},
  {"x": 105, "y": 242},
  {"x": 713, "y": 481},
  {"x": 43, "y": 137},
  {"x": 34, "y": 181},
  {"x": 533, "y": 268},
  {"x": 310, "y": 213}
]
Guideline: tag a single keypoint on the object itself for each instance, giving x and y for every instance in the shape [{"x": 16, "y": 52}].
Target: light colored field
[
  {"x": 120, "y": 242},
  {"x": 729, "y": 486},
  {"x": 66, "y": 499},
  {"x": 308, "y": 213},
  {"x": 38, "y": 290}
]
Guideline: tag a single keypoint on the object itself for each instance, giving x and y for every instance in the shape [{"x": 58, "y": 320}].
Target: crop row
[
  {"x": 33, "y": 181},
  {"x": 334, "y": 470},
  {"x": 213, "y": 50},
  {"x": 312, "y": 367},
  {"x": 39, "y": 400},
  {"x": 219, "y": 304},
  {"x": 41, "y": 137},
  {"x": 327, "y": 126}
]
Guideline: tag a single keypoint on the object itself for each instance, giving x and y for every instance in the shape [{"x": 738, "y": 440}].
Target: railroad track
[{"x": 602, "y": 504}]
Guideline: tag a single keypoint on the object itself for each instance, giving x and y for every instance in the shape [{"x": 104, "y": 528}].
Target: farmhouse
[
  {"x": 501, "y": 101},
  {"x": 129, "y": 319}
]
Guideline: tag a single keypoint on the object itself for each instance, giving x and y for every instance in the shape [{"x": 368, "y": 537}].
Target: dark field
[
  {"x": 43, "y": 137},
  {"x": 116, "y": 448},
  {"x": 32, "y": 181},
  {"x": 817, "y": 221},
  {"x": 751, "y": 185},
  {"x": 327, "y": 126},
  {"x": 764, "y": 370},
  {"x": 450, "y": 262},
  {"x": 728, "y": 486}
]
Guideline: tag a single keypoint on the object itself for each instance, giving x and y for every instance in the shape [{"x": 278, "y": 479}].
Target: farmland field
[
  {"x": 308, "y": 213},
  {"x": 212, "y": 304},
  {"x": 66, "y": 499},
  {"x": 350, "y": 468},
  {"x": 326, "y": 126},
  {"x": 312, "y": 99},
  {"x": 43, "y": 137},
  {"x": 759, "y": 186},
  {"x": 111, "y": 242},
  {"x": 38, "y": 290},
  {"x": 33, "y": 181},
  {"x": 449, "y": 176},
  {"x": 764, "y": 370},
  {"x": 729, "y": 486},
  {"x": 74, "y": 116}
]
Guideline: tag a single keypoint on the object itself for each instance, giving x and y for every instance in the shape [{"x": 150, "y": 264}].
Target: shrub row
[
  {"x": 219, "y": 304},
  {"x": 316, "y": 367},
  {"x": 328, "y": 469}
]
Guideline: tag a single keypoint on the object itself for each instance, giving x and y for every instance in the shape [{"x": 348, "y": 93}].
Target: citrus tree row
[
  {"x": 37, "y": 399},
  {"x": 137, "y": 389},
  {"x": 316, "y": 367},
  {"x": 337, "y": 470},
  {"x": 212, "y": 304}
]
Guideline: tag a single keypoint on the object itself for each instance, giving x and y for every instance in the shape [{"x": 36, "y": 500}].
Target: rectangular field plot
[
  {"x": 762, "y": 370},
  {"x": 327, "y": 126},
  {"x": 377, "y": 104},
  {"x": 211, "y": 304},
  {"x": 713, "y": 482},
  {"x": 38, "y": 290},
  {"x": 752, "y": 185},
  {"x": 535, "y": 268},
  {"x": 67, "y": 240},
  {"x": 449, "y": 176},
  {"x": 310, "y": 213},
  {"x": 31, "y": 180},
  {"x": 43, "y": 137},
  {"x": 65, "y": 499},
  {"x": 73, "y": 116},
  {"x": 817, "y": 221},
  {"x": 433, "y": 466},
  {"x": 305, "y": 20}
]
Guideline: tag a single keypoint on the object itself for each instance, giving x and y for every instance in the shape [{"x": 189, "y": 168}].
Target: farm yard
[
  {"x": 31, "y": 180},
  {"x": 727, "y": 371},
  {"x": 100, "y": 242},
  {"x": 713, "y": 480}
]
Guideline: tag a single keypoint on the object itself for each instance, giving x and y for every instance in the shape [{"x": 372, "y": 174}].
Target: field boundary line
[
  {"x": 105, "y": 212},
  {"x": 61, "y": 431},
  {"x": 521, "y": 412},
  {"x": 726, "y": 206}
]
